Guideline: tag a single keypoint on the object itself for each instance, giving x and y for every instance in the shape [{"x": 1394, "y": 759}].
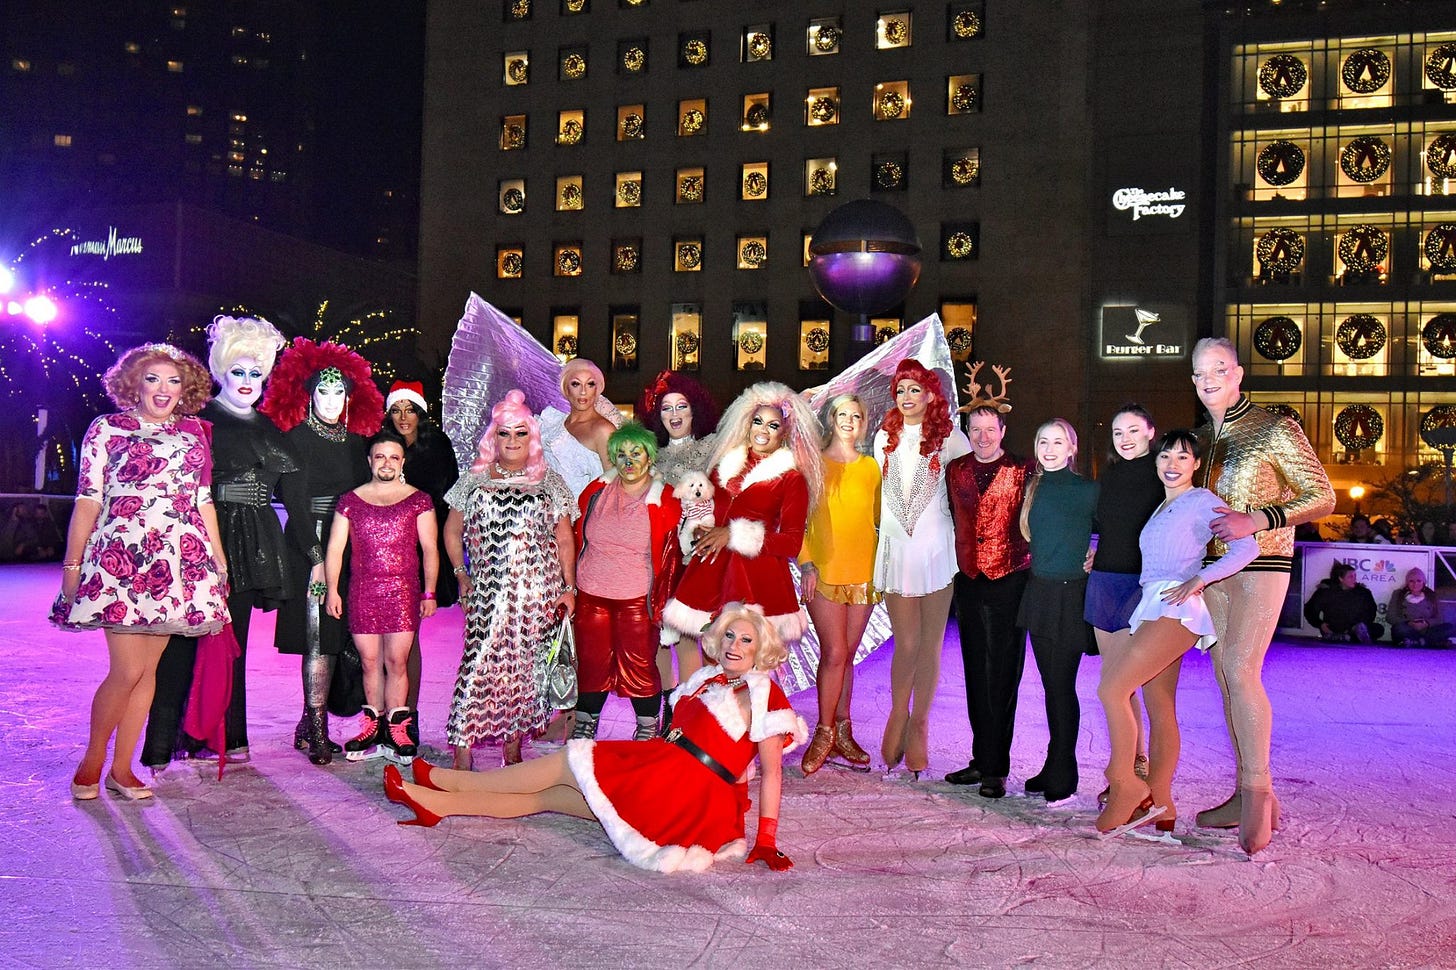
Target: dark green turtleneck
[{"x": 1061, "y": 524}]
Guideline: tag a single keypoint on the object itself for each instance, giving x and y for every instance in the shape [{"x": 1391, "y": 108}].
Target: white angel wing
[
  {"x": 870, "y": 378},
  {"x": 489, "y": 355}
]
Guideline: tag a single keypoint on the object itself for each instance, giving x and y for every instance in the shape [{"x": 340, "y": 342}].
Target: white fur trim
[
  {"x": 767, "y": 723},
  {"x": 407, "y": 394},
  {"x": 745, "y": 536},
  {"x": 791, "y": 626},
  {"x": 774, "y": 466},
  {"x": 682, "y": 618},
  {"x": 697, "y": 680},
  {"x": 654, "y": 494}
]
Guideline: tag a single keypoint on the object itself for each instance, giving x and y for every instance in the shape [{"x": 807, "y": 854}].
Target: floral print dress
[{"x": 149, "y": 565}]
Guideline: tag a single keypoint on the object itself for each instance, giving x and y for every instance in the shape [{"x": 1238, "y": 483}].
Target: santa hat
[{"x": 411, "y": 391}]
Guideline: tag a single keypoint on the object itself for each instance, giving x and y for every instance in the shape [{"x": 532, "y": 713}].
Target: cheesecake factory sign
[{"x": 1142, "y": 204}]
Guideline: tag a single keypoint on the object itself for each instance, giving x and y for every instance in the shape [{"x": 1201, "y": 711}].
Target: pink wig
[
  {"x": 575, "y": 364},
  {"x": 509, "y": 414}
]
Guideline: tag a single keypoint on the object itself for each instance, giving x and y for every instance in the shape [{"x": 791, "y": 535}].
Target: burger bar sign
[{"x": 1169, "y": 203}]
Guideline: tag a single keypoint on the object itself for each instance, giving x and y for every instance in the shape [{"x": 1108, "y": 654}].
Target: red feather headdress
[{"x": 287, "y": 397}]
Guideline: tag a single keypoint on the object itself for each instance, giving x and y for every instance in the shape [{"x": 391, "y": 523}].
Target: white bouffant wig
[
  {"x": 802, "y": 432},
  {"x": 771, "y": 650},
  {"x": 230, "y": 338}
]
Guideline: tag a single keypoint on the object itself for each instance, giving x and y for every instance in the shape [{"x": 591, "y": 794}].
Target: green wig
[{"x": 631, "y": 433}]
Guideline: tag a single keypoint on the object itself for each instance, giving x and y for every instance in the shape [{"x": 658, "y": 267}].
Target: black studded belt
[{"x": 677, "y": 738}]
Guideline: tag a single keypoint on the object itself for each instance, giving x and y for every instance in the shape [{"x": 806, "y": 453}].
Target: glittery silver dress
[{"x": 510, "y": 540}]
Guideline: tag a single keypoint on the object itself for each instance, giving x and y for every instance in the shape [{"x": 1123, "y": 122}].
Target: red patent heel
[
  {"x": 394, "y": 791},
  {"x": 421, "y": 770}
]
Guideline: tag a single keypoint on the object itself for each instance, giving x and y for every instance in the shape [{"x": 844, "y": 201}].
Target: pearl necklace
[{"x": 502, "y": 472}]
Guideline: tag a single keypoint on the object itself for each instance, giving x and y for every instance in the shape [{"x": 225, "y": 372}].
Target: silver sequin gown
[{"x": 510, "y": 542}]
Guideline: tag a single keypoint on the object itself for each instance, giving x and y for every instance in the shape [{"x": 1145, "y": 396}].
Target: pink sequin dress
[{"x": 384, "y": 579}]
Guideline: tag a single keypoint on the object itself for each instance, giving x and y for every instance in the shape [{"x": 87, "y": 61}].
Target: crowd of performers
[{"x": 689, "y": 553}]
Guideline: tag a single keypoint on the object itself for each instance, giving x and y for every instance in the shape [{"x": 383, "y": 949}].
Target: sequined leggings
[{"x": 1245, "y": 610}]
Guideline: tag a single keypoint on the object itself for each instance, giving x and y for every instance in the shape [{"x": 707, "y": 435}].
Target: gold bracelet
[
  {"x": 70, "y": 567},
  {"x": 71, "y": 562}
]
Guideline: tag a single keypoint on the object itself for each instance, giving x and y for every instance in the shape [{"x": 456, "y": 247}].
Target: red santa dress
[
  {"x": 663, "y": 809},
  {"x": 764, "y": 502}
]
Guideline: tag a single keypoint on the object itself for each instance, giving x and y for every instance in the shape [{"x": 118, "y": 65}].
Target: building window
[
  {"x": 962, "y": 94},
  {"x": 690, "y": 186},
  {"x": 960, "y": 168},
  {"x": 819, "y": 176},
  {"x": 629, "y": 190},
  {"x": 753, "y": 182},
  {"x": 758, "y": 43},
  {"x": 626, "y": 321},
  {"x": 570, "y": 127},
  {"x": 174, "y": 67},
  {"x": 565, "y": 329},
  {"x": 631, "y": 122},
  {"x": 821, "y": 107},
  {"x": 823, "y": 36},
  {"x": 61, "y": 141},
  {"x": 570, "y": 8},
  {"x": 568, "y": 193},
  {"x": 892, "y": 30},
  {"x": 514, "y": 10},
  {"x": 573, "y": 63},
  {"x": 815, "y": 321},
  {"x": 885, "y": 328},
  {"x": 685, "y": 335},
  {"x": 132, "y": 47},
  {"x": 692, "y": 49},
  {"x": 964, "y": 21},
  {"x": 752, "y": 251},
  {"x": 756, "y": 111},
  {"x": 627, "y": 255},
  {"x": 889, "y": 172},
  {"x": 516, "y": 68},
  {"x": 566, "y": 258},
  {"x": 892, "y": 101},
  {"x": 750, "y": 335},
  {"x": 510, "y": 262},
  {"x": 692, "y": 117},
  {"x": 958, "y": 316},
  {"x": 632, "y": 56},
  {"x": 513, "y": 133},
  {"x": 193, "y": 138},
  {"x": 511, "y": 195},
  {"x": 960, "y": 241},
  {"x": 194, "y": 111},
  {"x": 687, "y": 254}
]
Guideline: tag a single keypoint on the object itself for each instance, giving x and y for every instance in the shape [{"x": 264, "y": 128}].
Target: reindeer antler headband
[{"x": 980, "y": 394}]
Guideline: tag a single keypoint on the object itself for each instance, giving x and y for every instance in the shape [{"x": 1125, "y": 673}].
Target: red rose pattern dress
[
  {"x": 384, "y": 560},
  {"x": 663, "y": 809},
  {"x": 148, "y": 566}
]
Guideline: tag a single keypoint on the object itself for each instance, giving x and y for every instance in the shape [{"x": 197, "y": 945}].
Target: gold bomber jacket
[{"x": 1259, "y": 461}]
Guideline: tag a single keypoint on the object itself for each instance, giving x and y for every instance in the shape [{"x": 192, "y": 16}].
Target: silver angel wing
[
  {"x": 870, "y": 377},
  {"x": 489, "y": 355}
]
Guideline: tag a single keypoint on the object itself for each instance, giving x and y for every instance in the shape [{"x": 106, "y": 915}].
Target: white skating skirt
[{"x": 1192, "y": 612}]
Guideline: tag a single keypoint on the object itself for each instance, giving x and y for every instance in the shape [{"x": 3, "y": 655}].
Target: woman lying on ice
[{"x": 667, "y": 804}]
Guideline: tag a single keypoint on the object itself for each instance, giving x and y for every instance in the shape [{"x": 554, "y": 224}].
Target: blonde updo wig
[
  {"x": 232, "y": 338},
  {"x": 771, "y": 649}
]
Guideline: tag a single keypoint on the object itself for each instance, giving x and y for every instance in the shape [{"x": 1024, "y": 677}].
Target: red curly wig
[
  {"x": 937, "y": 425},
  {"x": 705, "y": 411},
  {"x": 123, "y": 380},
  {"x": 290, "y": 387}
]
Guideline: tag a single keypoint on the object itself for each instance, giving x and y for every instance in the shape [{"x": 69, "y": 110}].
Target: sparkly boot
[
  {"x": 320, "y": 748},
  {"x": 846, "y": 747},
  {"x": 819, "y": 749}
]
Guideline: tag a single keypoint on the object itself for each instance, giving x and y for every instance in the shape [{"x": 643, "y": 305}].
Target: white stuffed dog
[{"x": 695, "y": 491}]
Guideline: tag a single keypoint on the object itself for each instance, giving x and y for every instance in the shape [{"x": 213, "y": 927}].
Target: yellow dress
[{"x": 842, "y": 532}]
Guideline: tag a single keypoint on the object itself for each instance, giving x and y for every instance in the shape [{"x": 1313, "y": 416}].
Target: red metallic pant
[{"x": 616, "y": 647}]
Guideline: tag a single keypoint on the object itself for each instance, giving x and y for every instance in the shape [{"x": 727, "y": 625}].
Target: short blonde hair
[{"x": 771, "y": 649}]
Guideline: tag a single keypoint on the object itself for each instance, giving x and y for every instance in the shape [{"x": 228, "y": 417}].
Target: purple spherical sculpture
[{"x": 864, "y": 257}]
